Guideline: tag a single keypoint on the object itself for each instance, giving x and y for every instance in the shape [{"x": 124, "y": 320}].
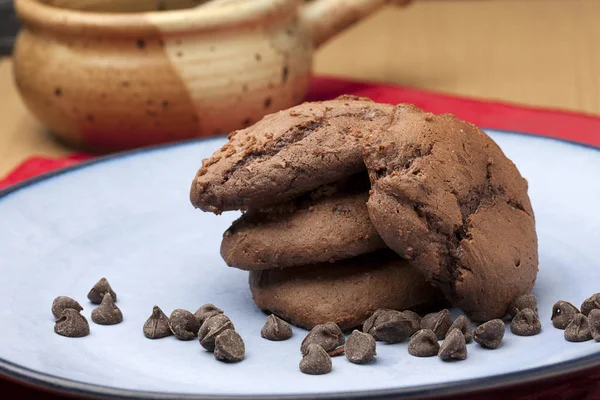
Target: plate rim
[{"x": 14, "y": 372}]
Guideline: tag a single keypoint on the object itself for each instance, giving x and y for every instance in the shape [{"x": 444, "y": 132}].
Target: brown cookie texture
[
  {"x": 445, "y": 197},
  {"x": 315, "y": 228},
  {"x": 346, "y": 292},
  {"x": 287, "y": 153}
]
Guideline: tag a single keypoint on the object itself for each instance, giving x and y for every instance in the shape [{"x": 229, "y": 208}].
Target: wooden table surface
[{"x": 535, "y": 52}]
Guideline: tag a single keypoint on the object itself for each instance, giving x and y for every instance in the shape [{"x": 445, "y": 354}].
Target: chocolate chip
[
  {"x": 424, "y": 343},
  {"x": 328, "y": 336},
  {"x": 526, "y": 323},
  {"x": 414, "y": 318},
  {"x": 157, "y": 325},
  {"x": 389, "y": 326},
  {"x": 206, "y": 311},
  {"x": 316, "y": 361},
  {"x": 62, "y": 303},
  {"x": 578, "y": 329},
  {"x": 107, "y": 313},
  {"x": 183, "y": 324},
  {"x": 211, "y": 328},
  {"x": 453, "y": 347},
  {"x": 522, "y": 302},
  {"x": 562, "y": 313},
  {"x": 229, "y": 346},
  {"x": 490, "y": 334},
  {"x": 463, "y": 324},
  {"x": 72, "y": 324},
  {"x": 594, "y": 321},
  {"x": 276, "y": 329},
  {"x": 591, "y": 303},
  {"x": 101, "y": 287},
  {"x": 360, "y": 347},
  {"x": 438, "y": 322}
]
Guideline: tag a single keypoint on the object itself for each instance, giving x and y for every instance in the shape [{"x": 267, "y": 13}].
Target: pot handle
[{"x": 325, "y": 18}]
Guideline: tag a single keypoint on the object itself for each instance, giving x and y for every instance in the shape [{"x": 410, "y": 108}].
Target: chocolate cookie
[
  {"x": 445, "y": 197},
  {"x": 287, "y": 153},
  {"x": 346, "y": 292},
  {"x": 315, "y": 228}
]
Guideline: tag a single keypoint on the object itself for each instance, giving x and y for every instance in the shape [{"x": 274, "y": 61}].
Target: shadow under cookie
[{"x": 346, "y": 292}]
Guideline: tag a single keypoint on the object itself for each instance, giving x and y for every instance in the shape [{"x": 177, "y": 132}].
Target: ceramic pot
[{"x": 108, "y": 75}]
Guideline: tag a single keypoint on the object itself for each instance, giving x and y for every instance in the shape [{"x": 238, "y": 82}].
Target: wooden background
[{"x": 535, "y": 52}]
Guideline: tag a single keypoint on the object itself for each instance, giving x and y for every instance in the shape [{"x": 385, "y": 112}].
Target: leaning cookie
[
  {"x": 313, "y": 230},
  {"x": 287, "y": 153},
  {"x": 346, "y": 292},
  {"x": 445, "y": 197}
]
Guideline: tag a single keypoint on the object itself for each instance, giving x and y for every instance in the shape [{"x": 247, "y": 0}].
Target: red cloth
[{"x": 576, "y": 127}]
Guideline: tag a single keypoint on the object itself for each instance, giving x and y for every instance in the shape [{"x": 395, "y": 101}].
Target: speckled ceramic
[
  {"x": 129, "y": 218},
  {"x": 107, "y": 80}
]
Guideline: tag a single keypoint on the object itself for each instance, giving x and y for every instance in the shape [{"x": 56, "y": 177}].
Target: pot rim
[{"x": 154, "y": 23}]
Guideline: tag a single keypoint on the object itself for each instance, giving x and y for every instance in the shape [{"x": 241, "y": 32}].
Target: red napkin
[{"x": 575, "y": 127}]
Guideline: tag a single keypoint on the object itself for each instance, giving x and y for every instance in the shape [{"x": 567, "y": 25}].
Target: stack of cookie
[{"x": 329, "y": 189}]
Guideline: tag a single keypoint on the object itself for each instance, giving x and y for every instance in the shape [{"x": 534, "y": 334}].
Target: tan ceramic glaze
[{"x": 108, "y": 80}]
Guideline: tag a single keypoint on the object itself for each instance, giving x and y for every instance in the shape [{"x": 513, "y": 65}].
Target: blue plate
[{"x": 128, "y": 218}]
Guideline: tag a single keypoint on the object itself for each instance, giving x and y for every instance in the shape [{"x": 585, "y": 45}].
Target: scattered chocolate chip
[
  {"x": 183, "y": 324},
  {"x": 463, "y": 324},
  {"x": 211, "y": 328},
  {"x": 438, "y": 322},
  {"x": 72, "y": 324},
  {"x": 424, "y": 343},
  {"x": 206, "y": 311},
  {"x": 562, "y": 313},
  {"x": 490, "y": 334},
  {"x": 360, "y": 347},
  {"x": 101, "y": 287},
  {"x": 453, "y": 347},
  {"x": 414, "y": 318},
  {"x": 594, "y": 321},
  {"x": 229, "y": 346},
  {"x": 578, "y": 329},
  {"x": 522, "y": 302},
  {"x": 316, "y": 361},
  {"x": 591, "y": 303},
  {"x": 62, "y": 303},
  {"x": 107, "y": 313},
  {"x": 328, "y": 336},
  {"x": 389, "y": 326},
  {"x": 276, "y": 329},
  {"x": 157, "y": 325},
  {"x": 526, "y": 323}
]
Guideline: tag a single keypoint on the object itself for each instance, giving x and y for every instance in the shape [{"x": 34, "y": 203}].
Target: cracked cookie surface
[
  {"x": 346, "y": 292},
  {"x": 287, "y": 153},
  {"x": 328, "y": 224},
  {"x": 445, "y": 197}
]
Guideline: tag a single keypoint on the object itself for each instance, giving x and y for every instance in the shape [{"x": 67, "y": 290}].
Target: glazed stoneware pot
[{"x": 107, "y": 74}]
